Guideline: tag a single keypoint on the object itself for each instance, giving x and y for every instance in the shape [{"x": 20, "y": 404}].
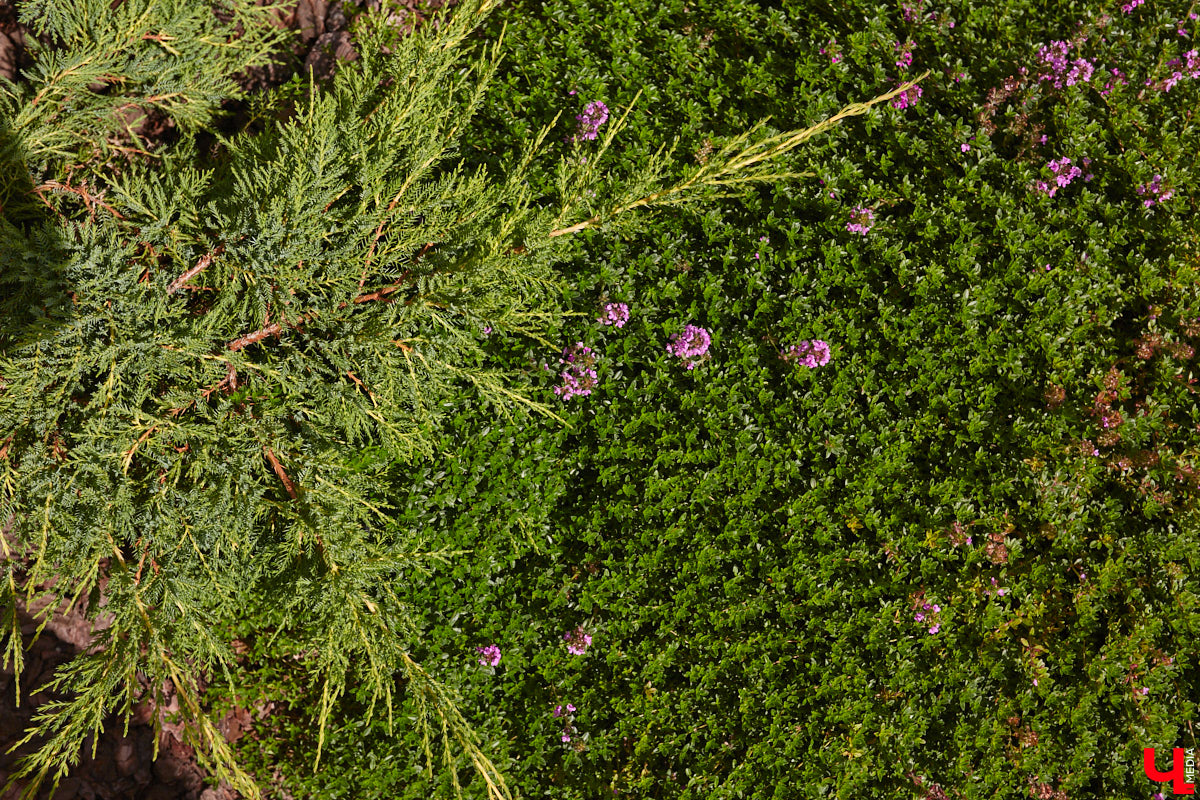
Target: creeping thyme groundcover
[{"x": 877, "y": 480}]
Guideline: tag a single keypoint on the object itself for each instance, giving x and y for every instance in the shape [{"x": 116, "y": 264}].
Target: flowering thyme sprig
[
  {"x": 861, "y": 220},
  {"x": 1064, "y": 173},
  {"x": 833, "y": 51},
  {"x": 594, "y": 115},
  {"x": 615, "y": 314},
  {"x": 579, "y": 377},
  {"x": 692, "y": 344},
  {"x": 908, "y": 97},
  {"x": 488, "y": 656},
  {"x": 577, "y": 641},
  {"x": 568, "y": 728},
  {"x": 809, "y": 353},
  {"x": 1154, "y": 192},
  {"x": 1060, "y": 69},
  {"x": 928, "y": 614}
]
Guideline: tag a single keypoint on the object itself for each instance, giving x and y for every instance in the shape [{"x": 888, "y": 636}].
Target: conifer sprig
[{"x": 742, "y": 160}]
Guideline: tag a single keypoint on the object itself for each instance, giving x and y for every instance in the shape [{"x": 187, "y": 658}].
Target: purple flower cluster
[
  {"x": 692, "y": 344},
  {"x": 905, "y": 59},
  {"x": 1062, "y": 71},
  {"x": 488, "y": 656},
  {"x": 579, "y": 378},
  {"x": 912, "y": 13},
  {"x": 928, "y": 615},
  {"x": 594, "y": 115},
  {"x": 814, "y": 353},
  {"x": 1154, "y": 192},
  {"x": 615, "y": 314},
  {"x": 833, "y": 51},
  {"x": 568, "y": 728},
  {"x": 1191, "y": 69},
  {"x": 1118, "y": 79},
  {"x": 1000, "y": 592},
  {"x": 1064, "y": 173},
  {"x": 907, "y": 98},
  {"x": 577, "y": 641},
  {"x": 1131, "y": 5},
  {"x": 861, "y": 220}
]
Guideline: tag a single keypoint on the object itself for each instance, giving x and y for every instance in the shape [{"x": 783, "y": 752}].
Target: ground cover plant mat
[{"x": 868, "y": 471}]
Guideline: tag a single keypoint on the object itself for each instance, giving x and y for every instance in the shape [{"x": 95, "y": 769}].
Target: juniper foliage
[{"x": 213, "y": 357}]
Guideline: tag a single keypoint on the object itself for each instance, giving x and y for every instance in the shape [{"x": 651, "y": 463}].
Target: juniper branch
[{"x": 714, "y": 173}]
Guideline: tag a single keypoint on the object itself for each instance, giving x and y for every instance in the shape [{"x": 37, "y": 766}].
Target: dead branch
[
  {"x": 274, "y": 329},
  {"x": 89, "y": 199},
  {"x": 201, "y": 265},
  {"x": 279, "y": 471}
]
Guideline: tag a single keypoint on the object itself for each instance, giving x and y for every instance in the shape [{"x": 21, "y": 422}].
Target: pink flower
[
  {"x": 692, "y": 344},
  {"x": 489, "y": 656},
  {"x": 1064, "y": 173},
  {"x": 577, "y": 641},
  {"x": 861, "y": 220},
  {"x": 966, "y": 148},
  {"x": 832, "y": 51},
  {"x": 810, "y": 353},
  {"x": 1145, "y": 690},
  {"x": 935, "y": 629},
  {"x": 907, "y": 98},
  {"x": 594, "y": 115},
  {"x": 1154, "y": 192},
  {"x": 579, "y": 377},
  {"x": 615, "y": 314}
]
